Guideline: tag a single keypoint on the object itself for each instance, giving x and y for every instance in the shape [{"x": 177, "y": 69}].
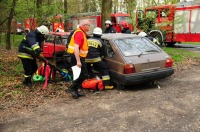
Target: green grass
[
  {"x": 180, "y": 55},
  {"x": 14, "y": 38},
  {"x": 192, "y": 43}
]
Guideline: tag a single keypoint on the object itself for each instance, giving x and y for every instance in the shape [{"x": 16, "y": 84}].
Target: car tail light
[
  {"x": 129, "y": 68},
  {"x": 169, "y": 62}
]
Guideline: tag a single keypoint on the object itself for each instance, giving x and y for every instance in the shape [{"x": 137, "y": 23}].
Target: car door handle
[{"x": 45, "y": 46}]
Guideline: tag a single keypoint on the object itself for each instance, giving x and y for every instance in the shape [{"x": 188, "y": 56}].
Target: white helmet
[
  {"x": 143, "y": 34},
  {"x": 108, "y": 22},
  {"x": 97, "y": 31},
  {"x": 43, "y": 29}
]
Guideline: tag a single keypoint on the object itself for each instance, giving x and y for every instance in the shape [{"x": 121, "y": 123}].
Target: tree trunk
[
  {"x": 65, "y": 12},
  {"x": 105, "y": 11},
  {"x": 93, "y": 6},
  {"x": 8, "y": 44},
  {"x": 86, "y": 7},
  {"x": 39, "y": 11}
]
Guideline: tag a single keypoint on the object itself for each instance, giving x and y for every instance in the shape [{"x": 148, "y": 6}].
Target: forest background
[{"x": 44, "y": 9}]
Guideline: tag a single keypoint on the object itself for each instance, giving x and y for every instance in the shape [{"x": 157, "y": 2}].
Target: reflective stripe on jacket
[
  {"x": 95, "y": 50},
  {"x": 83, "y": 50},
  {"x": 24, "y": 55},
  {"x": 31, "y": 41}
]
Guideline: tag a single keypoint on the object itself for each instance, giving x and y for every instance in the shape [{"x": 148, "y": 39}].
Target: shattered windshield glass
[{"x": 136, "y": 46}]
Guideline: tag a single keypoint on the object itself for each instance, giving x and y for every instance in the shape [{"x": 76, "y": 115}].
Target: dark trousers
[
  {"x": 30, "y": 67},
  {"x": 77, "y": 83},
  {"x": 102, "y": 68}
]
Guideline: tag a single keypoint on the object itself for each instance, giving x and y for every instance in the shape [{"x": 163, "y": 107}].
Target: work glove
[{"x": 38, "y": 51}]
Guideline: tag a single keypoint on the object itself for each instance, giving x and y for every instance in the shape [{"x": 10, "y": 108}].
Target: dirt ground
[{"x": 172, "y": 105}]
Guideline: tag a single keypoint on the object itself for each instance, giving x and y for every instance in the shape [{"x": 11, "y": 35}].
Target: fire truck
[
  {"x": 30, "y": 24},
  {"x": 96, "y": 20},
  {"x": 57, "y": 24},
  {"x": 16, "y": 27},
  {"x": 174, "y": 23}
]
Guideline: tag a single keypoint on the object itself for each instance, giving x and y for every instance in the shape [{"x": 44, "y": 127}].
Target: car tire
[
  {"x": 170, "y": 44},
  {"x": 119, "y": 86},
  {"x": 158, "y": 36}
]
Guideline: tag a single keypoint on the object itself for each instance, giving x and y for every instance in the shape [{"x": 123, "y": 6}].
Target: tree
[
  {"x": 38, "y": 8},
  {"x": 131, "y": 6},
  {"x": 65, "y": 13},
  {"x": 12, "y": 9},
  {"x": 106, "y": 9}
]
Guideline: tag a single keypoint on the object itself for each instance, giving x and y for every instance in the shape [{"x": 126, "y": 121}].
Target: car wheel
[
  {"x": 170, "y": 44},
  {"x": 158, "y": 36},
  {"x": 119, "y": 86}
]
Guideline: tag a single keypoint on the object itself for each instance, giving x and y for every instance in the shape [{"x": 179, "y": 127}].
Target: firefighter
[
  {"x": 31, "y": 40},
  {"x": 78, "y": 49},
  {"x": 125, "y": 27},
  {"x": 95, "y": 55},
  {"x": 109, "y": 28},
  {"x": 143, "y": 34}
]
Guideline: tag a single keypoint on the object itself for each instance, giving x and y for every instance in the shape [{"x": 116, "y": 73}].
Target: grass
[
  {"x": 11, "y": 70},
  {"x": 192, "y": 43},
  {"x": 180, "y": 55},
  {"x": 15, "y": 39}
]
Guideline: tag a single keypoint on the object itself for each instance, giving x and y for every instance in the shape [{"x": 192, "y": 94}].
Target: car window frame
[{"x": 108, "y": 50}]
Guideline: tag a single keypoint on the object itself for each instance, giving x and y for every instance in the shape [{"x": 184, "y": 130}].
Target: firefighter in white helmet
[
  {"x": 109, "y": 27},
  {"x": 32, "y": 40},
  {"x": 95, "y": 56},
  {"x": 143, "y": 34}
]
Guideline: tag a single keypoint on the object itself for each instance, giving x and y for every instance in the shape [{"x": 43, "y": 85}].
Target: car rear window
[{"x": 136, "y": 46}]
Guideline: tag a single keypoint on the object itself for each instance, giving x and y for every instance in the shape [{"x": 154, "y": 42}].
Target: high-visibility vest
[{"x": 83, "y": 50}]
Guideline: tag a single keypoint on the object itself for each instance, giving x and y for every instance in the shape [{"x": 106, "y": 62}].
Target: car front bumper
[{"x": 138, "y": 78}]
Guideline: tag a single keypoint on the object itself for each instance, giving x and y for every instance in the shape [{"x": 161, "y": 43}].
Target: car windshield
[{"x": 136, "y": 46}]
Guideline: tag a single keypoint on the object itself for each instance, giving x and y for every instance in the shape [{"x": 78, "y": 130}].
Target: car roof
[
  {"x": 60, "y": 33},
  {"x": 117, "y": 36}
]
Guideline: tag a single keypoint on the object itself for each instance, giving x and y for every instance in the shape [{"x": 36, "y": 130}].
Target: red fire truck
[
  {"x": 57, "y": 24},
  {"x": 30, "y": 24},
  {"x": 176, "y": 23},
  {"x": 95, "y": 18},
  {"x": 16, "y": 27}
]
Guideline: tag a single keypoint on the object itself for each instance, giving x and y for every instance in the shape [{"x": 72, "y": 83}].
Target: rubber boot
[
  {"x": 27, "y": 82},
  {"x": 72, "y": 90},
  {"x": 79, "y": 94},
  {"x": 109, "y": 87}
]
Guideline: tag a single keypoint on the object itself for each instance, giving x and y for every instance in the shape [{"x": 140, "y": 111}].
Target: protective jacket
[
  {"x": 153, "y": 40},
  {"x": 96, "y": 51},
  {"x": 126, "y": 30},
  {"x": 110, "y": 29},
  {"x": 83, "y": 49},
  {"x": 32, "y": 40}
]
